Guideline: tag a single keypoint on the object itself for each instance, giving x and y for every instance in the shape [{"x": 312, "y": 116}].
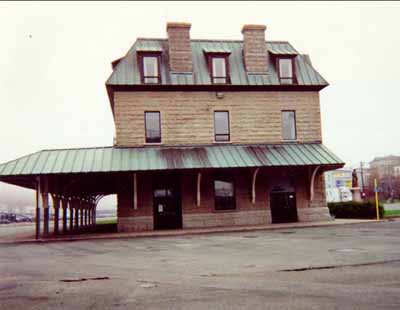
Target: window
[
  {"x": 150, "y": 69},
  {"x": 221, "y": 126},
  {"x": 219, "y": 73},
  {"x": 224, "y": 192},
  {"x": 286, "y": 70},
  {"x": 153, "y": 127},
  {"x": 289, "y": 125}
]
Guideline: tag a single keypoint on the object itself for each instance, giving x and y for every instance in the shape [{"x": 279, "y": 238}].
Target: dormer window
[
  {"x": 150, "y": 68},
  {"x": 219, "y": 74},
  {"x": 218, "y": 64},
  {"x": 286, "y": 70}
]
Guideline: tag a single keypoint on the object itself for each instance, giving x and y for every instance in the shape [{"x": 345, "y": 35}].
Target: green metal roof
[
  {"x": 216, "y": 49},
  {"x": 126, "y": 72},
  {"x": 281, "y": 48},
  {"x": 110, "y": 159}
]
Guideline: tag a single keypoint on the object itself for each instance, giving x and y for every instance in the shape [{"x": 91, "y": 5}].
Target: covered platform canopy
[{"x": 78, "y": 177}]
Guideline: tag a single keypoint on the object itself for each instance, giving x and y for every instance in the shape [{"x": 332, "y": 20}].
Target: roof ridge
[
  {"x": 76, "y": 148},
  {"x": 210, "y": 40}
]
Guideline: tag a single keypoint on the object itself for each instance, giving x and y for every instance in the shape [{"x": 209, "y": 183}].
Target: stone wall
[
  {"x": 235, "y": 218},
  {"x": 205, "y": 215},
  {"x": 317, "y": 210},
  {"x": 188, "y": 117},
  {"x": 179, "y": 48},
  {"x": 255, "y": 54}
]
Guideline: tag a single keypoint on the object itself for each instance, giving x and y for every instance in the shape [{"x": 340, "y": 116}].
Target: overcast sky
[{"x": 55, "y": 58}]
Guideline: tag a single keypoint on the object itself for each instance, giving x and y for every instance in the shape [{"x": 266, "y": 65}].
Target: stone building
[{"x": 208, "y": 133}]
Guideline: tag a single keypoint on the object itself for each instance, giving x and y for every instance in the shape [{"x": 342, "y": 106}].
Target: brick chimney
[
  {"x": 254, "y": 48},
  {"x": 180, "y": 51}
]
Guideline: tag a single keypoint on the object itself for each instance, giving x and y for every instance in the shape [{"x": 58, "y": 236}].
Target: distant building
[
  {"x": 385, "y": 166},
  {"x": 396, "y": 171},
  {"x": 385, "y": 170},
  {"x": 338, "y": 185}
]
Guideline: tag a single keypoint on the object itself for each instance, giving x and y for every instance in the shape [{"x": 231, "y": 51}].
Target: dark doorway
[
  {"x": 167, "y": 209},
  {"x": 283, "y": 207}
]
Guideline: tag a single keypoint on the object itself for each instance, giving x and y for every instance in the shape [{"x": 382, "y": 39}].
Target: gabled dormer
[
  {"x": 149, "y": 66},
  {"x": 218, "y": 64}
]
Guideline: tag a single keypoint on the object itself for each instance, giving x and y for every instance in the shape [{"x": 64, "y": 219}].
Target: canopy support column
[
  {"x": 71, "y": 215},
  {"x": 45, "y": 204},
  {"x": 90, "y": 214},
  {"x": 312, "y": 183},
  {"x": 76, "y": 207},
  {"x": 37, "y": 218},
  {"x": 253, "y": 186},
  {"x": 81, "y": 206},
  {"x": 135, "y": 206},
  {"x": 198, "y": 188},
  {"x": 56, "y": 206},
  {"x": 64, "y": 206}
]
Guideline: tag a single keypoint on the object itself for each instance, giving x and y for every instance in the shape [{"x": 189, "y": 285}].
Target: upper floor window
[
  {"x": 286, "y": 74},
  {"x": 219, "y": 72},
  {"x": 221, "y": 126},
  {"x": 150, "y": 68},
  {"x": 224, "y": 195},
  {"x": 288, "y": 125},
  {"x": 152, "y": 127}
]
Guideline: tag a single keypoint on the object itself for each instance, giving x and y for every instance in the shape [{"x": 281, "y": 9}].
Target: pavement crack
[
  {"x": 338, "y": 266},
  {"x": 84, "y": 279}
]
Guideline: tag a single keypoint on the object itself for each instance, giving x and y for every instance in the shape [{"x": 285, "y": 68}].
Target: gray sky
[{"x": 55, "y": 58}]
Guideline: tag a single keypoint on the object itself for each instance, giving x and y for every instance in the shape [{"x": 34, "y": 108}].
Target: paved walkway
[{"x": 23, "y": 237}]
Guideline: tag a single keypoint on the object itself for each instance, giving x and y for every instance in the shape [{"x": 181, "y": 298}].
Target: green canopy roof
[{"x": 112, "y": 159}]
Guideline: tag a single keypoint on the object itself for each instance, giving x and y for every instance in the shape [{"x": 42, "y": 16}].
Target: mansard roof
[{"x": 126, "y": 71}]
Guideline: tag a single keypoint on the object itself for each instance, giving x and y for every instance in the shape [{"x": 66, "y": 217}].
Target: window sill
[
  {"x": 225, "y": 211},
  {"x": 153, "y": 143},
  {"x": 222, "y": 142},
  {"x": 290, "y": 141}
]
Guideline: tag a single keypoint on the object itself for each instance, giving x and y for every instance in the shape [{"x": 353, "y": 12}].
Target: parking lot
[{"x": 337, "y": 267}]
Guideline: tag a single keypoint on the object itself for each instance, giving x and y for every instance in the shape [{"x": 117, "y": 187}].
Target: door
[
  {"x": 167, "y": 210},
  {"x": 283, "y": 207}
]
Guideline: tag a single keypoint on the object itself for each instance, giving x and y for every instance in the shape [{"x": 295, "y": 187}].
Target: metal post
[
  {"x": 76, "y": 226},
  {"x": 376, "y": 200},
  {"x": 56, "y": 205},
  {"x": 45, "y": 200},
  {"x": 90, "y": 215},
  {"x": 38, "y": 209},
  {"x": 64, "y": 203},
  {"x": 81, "y": 213},
  {"x": 86, "y": 216},
  {"x": 71, "y": 216},
  {"x": 362, "y": 177}
]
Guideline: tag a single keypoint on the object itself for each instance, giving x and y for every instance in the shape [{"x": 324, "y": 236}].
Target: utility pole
[{"x": 362, "y": 177}]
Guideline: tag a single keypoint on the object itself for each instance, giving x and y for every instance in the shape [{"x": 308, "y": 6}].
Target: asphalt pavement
[{"x": 334, "y": 267}]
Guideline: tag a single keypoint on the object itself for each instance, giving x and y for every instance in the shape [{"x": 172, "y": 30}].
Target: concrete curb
[{"x": 188, "y": 232}]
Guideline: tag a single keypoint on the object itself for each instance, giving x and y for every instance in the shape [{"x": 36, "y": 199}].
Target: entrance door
[
  {"x": 167, "y": 210},
  {"x": 283, "y": 207}
]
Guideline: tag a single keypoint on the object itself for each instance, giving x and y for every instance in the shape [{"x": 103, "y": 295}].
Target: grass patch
[
  {"x": 106, "y": 221},
  {"x": 389, "y": 213}
]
